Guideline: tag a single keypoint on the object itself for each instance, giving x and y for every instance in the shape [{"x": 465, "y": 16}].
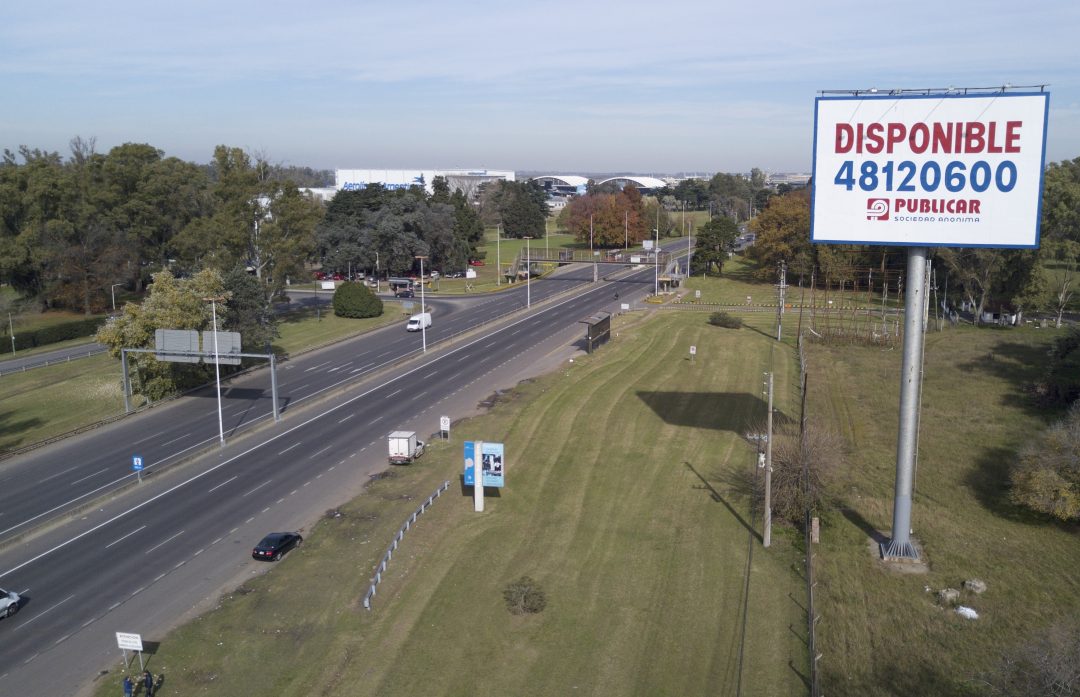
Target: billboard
[
  {"x": 951, "y": 170},
  {"x": 491, "y": 463}
]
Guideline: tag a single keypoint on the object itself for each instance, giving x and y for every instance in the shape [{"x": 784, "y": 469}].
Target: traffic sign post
[
  {"x": 137, "y": 465},
  {"x": 444, "y": 427},
  {"x": 126, "y": 641}
]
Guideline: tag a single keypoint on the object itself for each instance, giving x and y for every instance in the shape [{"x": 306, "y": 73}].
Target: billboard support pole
[
  {"x": 900, "y": 546},
  {"x": 478, "y": 477}
]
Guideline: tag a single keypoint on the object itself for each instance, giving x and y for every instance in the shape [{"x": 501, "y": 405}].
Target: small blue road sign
[{"x": 136, "y": 463}]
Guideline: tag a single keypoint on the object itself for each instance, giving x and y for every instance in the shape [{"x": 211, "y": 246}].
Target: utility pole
[
  {"x": 626, "y": 230},
  {"x": 11, "y": 330},
  {"x": 766, "y": 536},
  {"x": 780, "y": 305},
  {"x": 217, "y": 367},
  {"x": 498, "y": 256}
]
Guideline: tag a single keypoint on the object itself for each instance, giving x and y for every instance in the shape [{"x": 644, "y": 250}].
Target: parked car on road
[{"x": 276, "y": 544}]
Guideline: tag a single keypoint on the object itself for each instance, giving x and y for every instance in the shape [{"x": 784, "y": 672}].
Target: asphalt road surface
[{"x": 96, "y": 552}]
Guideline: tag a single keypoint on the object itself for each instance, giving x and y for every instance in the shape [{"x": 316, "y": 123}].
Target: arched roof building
[
  {"x": 646, "y": 185},
  {"x": 562, "y": 184}
]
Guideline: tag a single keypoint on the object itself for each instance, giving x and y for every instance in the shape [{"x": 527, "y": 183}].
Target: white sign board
[
  {"x": 470, "y": 273},
  {"x": 693, "y": 350},
  {"x": 327, "y": 285},
  {"x": 951, "y": 170},
  {"x": 130, "y": 642},
  {"x": 646, "y": 245},
  {"x": 444, "y": 423}
]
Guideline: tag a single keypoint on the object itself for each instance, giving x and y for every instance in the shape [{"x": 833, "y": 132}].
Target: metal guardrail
[
  {"x": 380, "y": 569},
  {"x": 47, "y": 362}
]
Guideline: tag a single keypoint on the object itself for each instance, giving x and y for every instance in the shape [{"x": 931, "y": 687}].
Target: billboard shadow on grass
[{"x": 738, "y": 412}]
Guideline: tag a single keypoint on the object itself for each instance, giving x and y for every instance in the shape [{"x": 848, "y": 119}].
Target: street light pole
[
  {"x": 423, "y": 311},
  {"x": 378, "y": 284},
  {"x": 498, "y": 256},
  {"x": 112, "y": 292},
  {"x": 217, "y": 370},
  {"x": 528, "y": 274},
  {"x": 11, "y": 330},
  {"x": 626, "y": 230},
  {"x": 656, "y": 265}
]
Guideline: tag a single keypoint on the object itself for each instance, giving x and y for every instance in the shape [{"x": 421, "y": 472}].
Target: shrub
[
  {"x": 723, "y": 319},
  {"x": 524, "y": 596},
  {"x": 53, "y": 333},
  {"x": 357, "y": 301},
  {"x": 1046, "y": 474}
]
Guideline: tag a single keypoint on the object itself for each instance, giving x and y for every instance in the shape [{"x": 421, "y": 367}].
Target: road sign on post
[
  {"x": 137, "y": 465},
  {"x": 444, "y": 426}
]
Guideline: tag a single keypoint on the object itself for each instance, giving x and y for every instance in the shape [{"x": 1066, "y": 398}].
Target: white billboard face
[{"x": 951, "y": 171}]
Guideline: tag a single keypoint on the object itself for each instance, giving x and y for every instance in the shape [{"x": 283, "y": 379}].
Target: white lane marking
[
  {"x": 375, "y": 420},
  {"x": 143, "y": 440},
  {"x": 252, "y": 492},
  {"x": 344, "y": 365},
  {"x": 315, "y": 455},
  {"x": 316, "y": 367},
  {"x": 341, "y": 421},
  {"x": 44, "y": 612},
  {"x": 85, "y": 478},
  {"x": 222, "y": 484},
  {"x": 363, "y": 368},
  {"x": 294, "y": 445},
  {"x": 125, "y": 536},
  {"x": 164, "y": 542},
  {"x": 54, "y": 476},
  {"x": 393, "y": 393},
  {"x": 253, "y": 448},
  {"x": 176, "y": 439},
  {"x": 431, "y": 374}
]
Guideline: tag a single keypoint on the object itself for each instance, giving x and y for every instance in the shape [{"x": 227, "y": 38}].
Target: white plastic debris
[{"x": 967, "y": 612}]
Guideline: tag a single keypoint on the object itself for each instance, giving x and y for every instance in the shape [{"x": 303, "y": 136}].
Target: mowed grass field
[
  {"x": 884, "y": 633},
  {"x": 621, "y": 502},
  {"x": 90, "y": 388}
]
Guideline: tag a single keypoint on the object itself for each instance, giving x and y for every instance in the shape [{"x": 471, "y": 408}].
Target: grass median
[
  {"x": 90, "y": 388},
  {"x": 621, "y": 502}
]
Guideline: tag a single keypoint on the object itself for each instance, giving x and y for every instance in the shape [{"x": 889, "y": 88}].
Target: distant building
[
  {"x": 646, "y": 185},
  {"x": 562, "y": 185},
  {"x": 466, "y": 180}
]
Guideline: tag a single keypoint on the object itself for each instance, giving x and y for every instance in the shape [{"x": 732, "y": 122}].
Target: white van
[{"x": 418, "y": 322}]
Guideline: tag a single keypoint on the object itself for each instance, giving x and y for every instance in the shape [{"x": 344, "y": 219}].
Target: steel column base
[{"x": 895, "y": 550}]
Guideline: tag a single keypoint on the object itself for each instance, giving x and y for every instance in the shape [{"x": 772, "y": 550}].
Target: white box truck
[
  {"x": 418, "y": 322},
  {"x": 404, "y": 447}
]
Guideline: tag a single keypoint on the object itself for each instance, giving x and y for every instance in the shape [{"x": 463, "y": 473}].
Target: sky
[{"x": 554, "y": 87}]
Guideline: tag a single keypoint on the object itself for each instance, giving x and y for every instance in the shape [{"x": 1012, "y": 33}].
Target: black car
[
  {"x": 405, "y": 294},
  {"x": 276, "y": 544}
]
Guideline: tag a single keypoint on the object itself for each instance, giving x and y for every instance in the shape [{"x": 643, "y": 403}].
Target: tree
[
  {"x": 171, "y": 303},
  {"x": 1046, "y": 663},
  {"x": 783, "y": 234},
  {"x": 248, "y": 311},
  {"x": 520, "y": 207},
  {"x": 1060, "y": 384},
  {"x": 714, "y": 241},
  {"x": 1066, "y": 254},
  {"x": 803, "y": 467}
]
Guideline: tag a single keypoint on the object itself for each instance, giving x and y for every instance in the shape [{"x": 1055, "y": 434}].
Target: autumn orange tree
[{"x": 615, "y": 219}]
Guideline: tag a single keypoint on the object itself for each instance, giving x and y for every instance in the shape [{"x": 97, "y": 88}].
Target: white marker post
[{"x": 478, "y": 477}]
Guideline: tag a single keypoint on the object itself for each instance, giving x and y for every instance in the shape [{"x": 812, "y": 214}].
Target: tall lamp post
[
  {"x": 11, "y": 330},
  {"x": 528, "y": 274},
  {"x": 656, "y": 265},
  {"x": 498, "y": 256},
  {"x": 423, "y": 325},
  {"x": 217, "y": 369},
  {"x": 112, "y": 292}
]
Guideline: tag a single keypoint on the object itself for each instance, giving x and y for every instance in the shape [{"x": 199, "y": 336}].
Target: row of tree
[
  {"x": 71, "y": 230},
  {"x": 1001, "y": 279}
]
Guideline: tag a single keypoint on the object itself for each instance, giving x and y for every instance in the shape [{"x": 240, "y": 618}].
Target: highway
[
  {"x": 148, "y": 553},
  {"x": 51, "y": 481}
]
